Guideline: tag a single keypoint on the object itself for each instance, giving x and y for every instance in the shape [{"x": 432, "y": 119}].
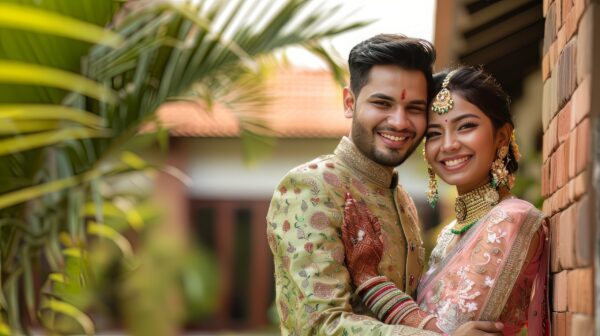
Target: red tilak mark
[
  {"x": 403, "y": 94},
  {"x": 446, "y": 121}
]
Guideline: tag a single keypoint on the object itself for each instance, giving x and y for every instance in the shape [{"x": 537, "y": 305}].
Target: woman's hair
[
  {"x": 390, "y": 49},
  {"x": 482, "y": 90}
]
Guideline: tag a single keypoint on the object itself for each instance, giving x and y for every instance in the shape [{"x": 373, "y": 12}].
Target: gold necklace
[{"x": 472, "y": 206}]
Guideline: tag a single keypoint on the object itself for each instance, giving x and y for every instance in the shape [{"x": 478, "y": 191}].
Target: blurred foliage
[{"x": 73, "y": 98}]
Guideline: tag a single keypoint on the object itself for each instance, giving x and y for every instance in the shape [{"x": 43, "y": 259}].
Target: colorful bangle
[
  {"x": 367, "y": 284},
  {"x": 399, "y": 302},
  {"x": 424, "y": 321},
  {"x": 379, "y": 293},
  {"x": 404, "y": 312},
  {"x": 391, "y": 302},
  {"x": 383, "y": 299},
  {"x": 372, "y": 291}
]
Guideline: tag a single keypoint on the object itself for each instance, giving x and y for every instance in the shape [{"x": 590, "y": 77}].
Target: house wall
[{"x": 570, "y": 176}]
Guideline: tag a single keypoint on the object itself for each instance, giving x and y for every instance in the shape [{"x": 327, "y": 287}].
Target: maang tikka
[{"x": 443, "y": 102}]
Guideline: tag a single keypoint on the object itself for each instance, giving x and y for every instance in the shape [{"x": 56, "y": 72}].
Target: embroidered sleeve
[{"x": 313, "y": 285}]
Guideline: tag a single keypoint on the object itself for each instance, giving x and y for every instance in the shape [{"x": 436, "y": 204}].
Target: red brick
[
  {"x": 545, "y": 67},
  {"x": 559, "y": 15},
  {"x": 579, "y": 8},
  {"x": 581, "y": 185},
  {"x": 555, "y": 243},
  {"x": 560, "y": 290},
  {"x": 583, "y": 145},
  {"x": 553, "y": 52},
  {"x": 553, "y": 177},
  {"x": 544, "y": 179},
  {"x": 566, "y": 7},
  {"x": 581, "y": 325},
  {"x": 585, "y": 39},
  {"x": 584, "y": 232},
  {"x": 572, "y": 23},
  {"x": 546, "y": 207},
  {"x": 566, "y": 227},
  {"x": 581, "y": 100},
  {"x": 553, "y": 131},
  {"x": 580, "y": 297},
  {"x": 572, "y": 142},
  {"x": 545, "y": 6},
  {"x": 561, "y": 169},
  {"x": 546, "y": 103},
  {"x": 559, "y": 324},
  {"x": 564, "y": 123}
]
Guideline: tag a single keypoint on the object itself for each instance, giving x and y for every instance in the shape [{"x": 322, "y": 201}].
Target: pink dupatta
[{"x": 485, "y": 276}]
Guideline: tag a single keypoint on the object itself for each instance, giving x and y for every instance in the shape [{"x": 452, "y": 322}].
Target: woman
[{"x": 490, "y": 263}]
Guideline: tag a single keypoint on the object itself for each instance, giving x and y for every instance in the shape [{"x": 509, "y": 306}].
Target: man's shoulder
[{"x": 312, "y": 168}]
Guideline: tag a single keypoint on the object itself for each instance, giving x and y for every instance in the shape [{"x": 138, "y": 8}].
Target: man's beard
[{"x": 364, "y": 140}]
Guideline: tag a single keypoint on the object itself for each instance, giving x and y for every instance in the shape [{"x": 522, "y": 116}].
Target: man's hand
[
  {"x": 479, "y": 328},
  {"x": 361, "y": 233}
]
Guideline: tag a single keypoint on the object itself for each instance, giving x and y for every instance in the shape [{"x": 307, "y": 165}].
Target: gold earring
[
  {"x": 432, "y": 191},
  {"x": 500, "y": 174}
]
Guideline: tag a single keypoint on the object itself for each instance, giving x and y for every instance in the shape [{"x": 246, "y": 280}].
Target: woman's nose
[{"x": 450, "y": 143}]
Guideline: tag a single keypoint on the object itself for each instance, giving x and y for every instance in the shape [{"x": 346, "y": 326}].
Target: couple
[{"x": 345, "y": 236}]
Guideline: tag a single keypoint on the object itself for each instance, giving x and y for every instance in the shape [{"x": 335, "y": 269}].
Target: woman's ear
[
  {"x": 349, "y": 101},
  {"x": 503, "y": 135}
]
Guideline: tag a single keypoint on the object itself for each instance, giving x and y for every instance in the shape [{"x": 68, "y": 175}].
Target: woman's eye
[
  {"x": 467, "y": 126},
  {"x": 430, "y": 135}
]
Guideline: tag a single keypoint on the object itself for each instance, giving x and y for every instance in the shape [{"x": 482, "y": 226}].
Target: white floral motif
[
  {"x": 489, "y": 282},
  {"x": 494, "y": 237}
]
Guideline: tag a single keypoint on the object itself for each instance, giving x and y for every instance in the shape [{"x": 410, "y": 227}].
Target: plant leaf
[
  {"x": 33, "y": 74},
  {"x": 37, "y": 20}
]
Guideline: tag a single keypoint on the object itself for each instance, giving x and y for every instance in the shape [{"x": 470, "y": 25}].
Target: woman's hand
[{"x": 361, "y": 233}]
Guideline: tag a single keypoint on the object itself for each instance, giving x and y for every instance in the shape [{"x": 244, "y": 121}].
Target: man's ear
[
  {"x": 503, "y": 135},
  {"x": 349, "y": 101}
]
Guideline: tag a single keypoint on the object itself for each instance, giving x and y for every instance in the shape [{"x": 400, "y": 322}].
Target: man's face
[{"x": 389, "y": 114}]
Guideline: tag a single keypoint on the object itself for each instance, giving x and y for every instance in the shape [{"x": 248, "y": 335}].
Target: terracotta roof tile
[{"x": 306, "y": 103}]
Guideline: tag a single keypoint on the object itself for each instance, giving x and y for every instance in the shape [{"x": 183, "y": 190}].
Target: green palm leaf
[
  {"x": 33, "y": 19},
  {"x": 32, "y": 74}
]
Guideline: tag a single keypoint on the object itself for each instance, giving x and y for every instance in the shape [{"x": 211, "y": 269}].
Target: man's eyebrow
[{"x": 381, "y": 96}]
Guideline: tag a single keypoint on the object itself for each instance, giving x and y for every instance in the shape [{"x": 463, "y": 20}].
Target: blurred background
[{"x": 141, "y": 142}]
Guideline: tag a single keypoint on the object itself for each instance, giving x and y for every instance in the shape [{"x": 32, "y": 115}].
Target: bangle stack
[{"x": 387, "y": 302}]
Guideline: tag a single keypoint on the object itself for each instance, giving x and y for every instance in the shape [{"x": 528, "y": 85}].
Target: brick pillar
[{"x": 571, "y": 168}]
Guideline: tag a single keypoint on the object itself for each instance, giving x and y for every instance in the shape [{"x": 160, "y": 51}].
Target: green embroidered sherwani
[{"x": 314, "y": 288}]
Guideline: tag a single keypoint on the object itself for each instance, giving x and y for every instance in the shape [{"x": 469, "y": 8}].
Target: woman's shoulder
[{"x": 516, "y": 208}]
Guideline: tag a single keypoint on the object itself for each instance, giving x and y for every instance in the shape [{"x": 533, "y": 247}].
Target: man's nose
[{"x": 399, "y": 119}]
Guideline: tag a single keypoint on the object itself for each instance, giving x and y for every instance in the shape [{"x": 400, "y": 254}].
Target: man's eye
[{"x": 382, "y": 103}]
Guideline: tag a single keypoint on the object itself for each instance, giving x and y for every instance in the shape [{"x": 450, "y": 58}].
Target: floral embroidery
[
  {"x": 323, "y": 290},
  {"x": 332, "y": 179},
  {"x": 489, "y": 282},
  {"x": 319, "y": 220}
]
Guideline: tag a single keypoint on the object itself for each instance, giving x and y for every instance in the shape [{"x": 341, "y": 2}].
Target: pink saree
[{"x": 485, "y": 276}]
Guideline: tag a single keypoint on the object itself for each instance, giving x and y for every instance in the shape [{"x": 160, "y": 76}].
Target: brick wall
[{"x": 570, "y": 114}]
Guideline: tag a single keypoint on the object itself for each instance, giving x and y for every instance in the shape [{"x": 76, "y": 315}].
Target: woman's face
[{"x": 462, "y": 144}]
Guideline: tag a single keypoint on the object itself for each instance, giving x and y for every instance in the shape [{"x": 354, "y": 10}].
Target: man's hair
[{"x": 390, "y": 49}]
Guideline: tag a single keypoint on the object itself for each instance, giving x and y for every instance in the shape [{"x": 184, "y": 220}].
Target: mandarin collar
[{"x": 371, "y": 170}]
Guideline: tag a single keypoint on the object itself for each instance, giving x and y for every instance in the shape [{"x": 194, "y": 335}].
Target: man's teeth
[
  {"x": 451, "y": 163},
  {"x": 394, "y": 138}
]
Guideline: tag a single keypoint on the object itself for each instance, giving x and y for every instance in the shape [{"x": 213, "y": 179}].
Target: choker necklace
[{"x": 472, "y": 206}]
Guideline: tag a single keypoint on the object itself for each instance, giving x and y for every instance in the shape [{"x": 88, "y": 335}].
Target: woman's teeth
[{"x": 456, "y": 162}]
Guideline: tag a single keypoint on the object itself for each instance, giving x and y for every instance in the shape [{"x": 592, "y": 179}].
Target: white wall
[{"x": 218, "y": 171}]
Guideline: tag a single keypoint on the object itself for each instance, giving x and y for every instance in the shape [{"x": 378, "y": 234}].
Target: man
[{"x": 390, "y": 78}]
